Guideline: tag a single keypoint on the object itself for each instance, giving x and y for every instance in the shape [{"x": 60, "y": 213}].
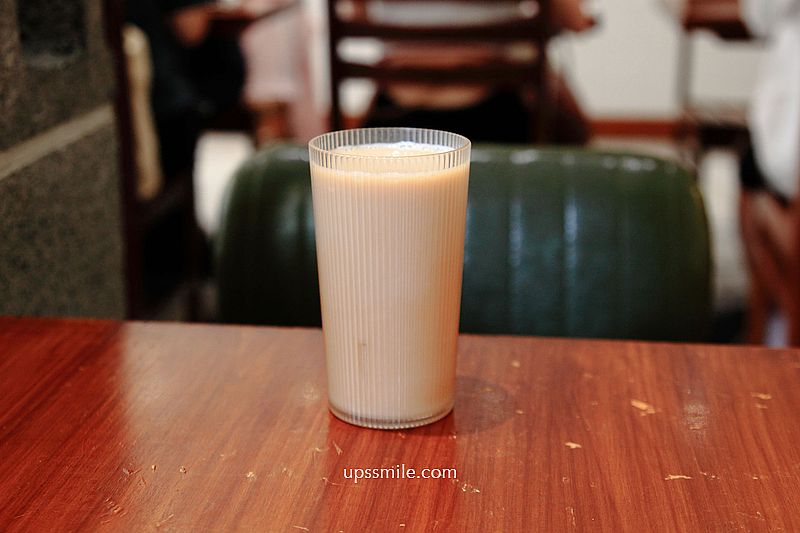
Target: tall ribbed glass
[{"x": 390, "y": 214}]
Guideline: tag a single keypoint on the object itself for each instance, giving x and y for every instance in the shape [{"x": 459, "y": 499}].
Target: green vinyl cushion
[{"x": 560, "y": 242}]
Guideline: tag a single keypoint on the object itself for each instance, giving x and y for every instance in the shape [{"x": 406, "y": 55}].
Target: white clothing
[{"x": 774, "y": 115}]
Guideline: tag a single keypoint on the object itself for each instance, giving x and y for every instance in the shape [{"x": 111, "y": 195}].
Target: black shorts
[{"x": 752, "y": 179}]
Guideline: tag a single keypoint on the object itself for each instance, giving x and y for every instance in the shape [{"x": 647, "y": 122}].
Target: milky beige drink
[{"x": 389, "y": 211}]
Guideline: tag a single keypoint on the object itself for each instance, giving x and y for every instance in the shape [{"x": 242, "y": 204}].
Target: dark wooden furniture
[
  {"x": 133, "y": 427},
  {"x": 351, "y": 20},
  {"x": 163, "y": 243},
  {"x": 162, "y": 239}
]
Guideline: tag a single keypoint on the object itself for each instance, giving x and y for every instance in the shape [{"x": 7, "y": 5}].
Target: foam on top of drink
[
  {"x": 398, "y": 149},
  {"x": 391, "y": 161}
]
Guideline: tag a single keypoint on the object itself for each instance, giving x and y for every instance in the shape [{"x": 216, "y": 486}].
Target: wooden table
[
  {"x": 721, "y": 17},
  {"x": 141, "y": 427}
]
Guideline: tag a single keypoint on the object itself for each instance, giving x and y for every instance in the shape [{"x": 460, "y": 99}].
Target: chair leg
[
  {"x": 759, "y": 301},
  {"x": 757, "y": 312},
  {"x": 793, "y": 318},
  {"x": 793, "y": 328}
]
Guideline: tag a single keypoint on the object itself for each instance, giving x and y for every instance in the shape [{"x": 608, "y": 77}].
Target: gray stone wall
[
  {"x": 60, "y": 215},
  {"x": 40, "y": 88}
]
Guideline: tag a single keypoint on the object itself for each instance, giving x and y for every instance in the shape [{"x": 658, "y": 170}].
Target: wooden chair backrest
[{"x": 530, "y": 27}]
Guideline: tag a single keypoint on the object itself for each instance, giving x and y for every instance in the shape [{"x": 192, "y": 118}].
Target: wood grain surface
[{"x": 150, "y": 427}]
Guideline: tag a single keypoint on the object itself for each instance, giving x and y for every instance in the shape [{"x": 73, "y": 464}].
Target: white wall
[
  {"x": 628, "y": 66},
  {"x": 724, "y": 70}
]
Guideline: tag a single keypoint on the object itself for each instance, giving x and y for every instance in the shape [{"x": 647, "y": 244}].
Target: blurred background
[{"x": 122, "y": 126}]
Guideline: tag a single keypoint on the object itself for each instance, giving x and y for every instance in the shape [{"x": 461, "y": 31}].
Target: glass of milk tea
[{"x": 390, "y": 215}]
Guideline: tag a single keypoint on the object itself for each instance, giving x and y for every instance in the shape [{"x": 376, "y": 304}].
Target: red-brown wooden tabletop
[{"x": 162, "y": 427}]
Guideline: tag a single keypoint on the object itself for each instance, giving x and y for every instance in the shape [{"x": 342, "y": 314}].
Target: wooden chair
[
  {"x": 771, "y": 233},
  {"x": 161, "y": 237},
  {"x": 351, "y": 19}
]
